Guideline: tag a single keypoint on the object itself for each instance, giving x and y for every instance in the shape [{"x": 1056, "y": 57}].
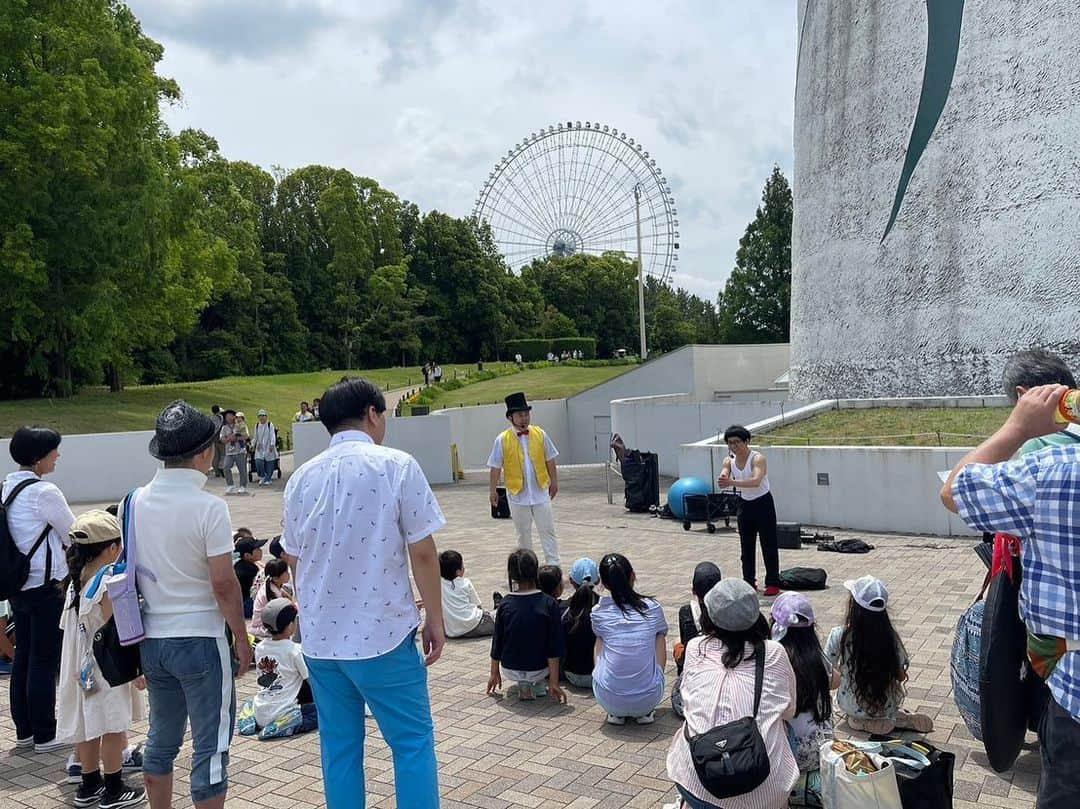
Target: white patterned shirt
[{"x": 350, "y": 514}]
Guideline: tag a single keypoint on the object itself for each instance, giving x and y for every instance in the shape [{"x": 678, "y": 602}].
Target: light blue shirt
[{"x": 626, "y": 680}]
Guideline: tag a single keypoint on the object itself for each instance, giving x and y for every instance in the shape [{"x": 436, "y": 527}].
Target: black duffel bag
[
  {"x": 731, "y": 759},
  {"x": 803, "y": 578}
]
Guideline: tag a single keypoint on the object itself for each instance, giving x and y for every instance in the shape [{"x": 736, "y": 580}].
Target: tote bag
[{"x": 841, "y": 789}]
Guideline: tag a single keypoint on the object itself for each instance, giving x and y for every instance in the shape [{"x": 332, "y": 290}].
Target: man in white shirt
[
  {"x": 183, "y": 542},
  {"x": 356, "y": 516},
  {"x": 525, "y": 457}
]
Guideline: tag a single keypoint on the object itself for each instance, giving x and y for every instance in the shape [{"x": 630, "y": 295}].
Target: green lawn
[
  {"x": 538, "y": 383},
  {"x": 95, "y": 410},
  {"x": 892, "y": 426}
]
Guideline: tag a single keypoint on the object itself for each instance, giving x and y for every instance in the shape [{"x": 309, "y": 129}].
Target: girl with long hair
[
  {"x": 274, "y": 583},
  {"x": 92, "y": 714},
  {"x": 793, "y": 627},
  {"x": 872, "y": 662},
  {"x": 528, "y": 640},
  {"x": 631, "y": 646},
  {"x": 577, "y": 623},
  {"x": 718, "y": 684}
]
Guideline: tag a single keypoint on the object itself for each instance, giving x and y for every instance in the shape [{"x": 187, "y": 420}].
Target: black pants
[
  {"x": 1059, "y": 735},
  {"x": 758, "y": 518},
  {"x": 37, "y": 662}
]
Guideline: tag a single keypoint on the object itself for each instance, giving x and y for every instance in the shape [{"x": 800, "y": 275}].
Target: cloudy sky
[{"x": 426, "y": 95}]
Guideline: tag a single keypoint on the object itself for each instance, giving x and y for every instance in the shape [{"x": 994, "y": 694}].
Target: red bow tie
[{"x": 523, "y": 432}]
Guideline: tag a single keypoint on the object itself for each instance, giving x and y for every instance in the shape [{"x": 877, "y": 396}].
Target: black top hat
[
  {"x": 181, "y": 432},
  {"x": 515, "y": 403}
]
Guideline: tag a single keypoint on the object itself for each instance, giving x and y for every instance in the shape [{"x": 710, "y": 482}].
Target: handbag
[
  {"x": 842, "y": 789},
  {"x": 924, "y": 774},
  {"x": 122, "y": 585},
  {"x": 731, "y": 759},
  {"x": 119, "y": 664}
]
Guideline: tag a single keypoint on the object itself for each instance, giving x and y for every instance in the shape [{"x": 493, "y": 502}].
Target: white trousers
[{"x": 524, "y": 516}]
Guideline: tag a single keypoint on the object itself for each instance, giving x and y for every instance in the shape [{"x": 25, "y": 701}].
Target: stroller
[{"x": 710, "y": 509}]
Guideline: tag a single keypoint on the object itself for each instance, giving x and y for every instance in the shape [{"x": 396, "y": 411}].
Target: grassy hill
[
  {"x": 555, "y": 382},
  {"x": 96, "y": 410},
  {"x": 891, "y": 426}
]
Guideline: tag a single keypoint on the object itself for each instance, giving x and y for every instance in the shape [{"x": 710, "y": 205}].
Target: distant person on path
[
  {"x": 315, "y": 408},
  {"x": 184, "y": 538},
  {"x": 517, "y": 360},
  {"x": 745, "y": 469},
  {"x": 437, "y": 374},
  {"x": 1034, "y": 497},
  {"x": 425, "y": 369},
  {"x": 235, "y": 454},
  {"x": 266, "y": 451},
  {"x": 356, "y": 515},
  {"x": 39, "y": 521},
  {"x": 525, "y": 457},
  {"x": 219, "y": 448},
  {"x": 304, "y": 413}
]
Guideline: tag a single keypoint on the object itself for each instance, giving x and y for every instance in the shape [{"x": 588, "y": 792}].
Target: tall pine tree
[{"x": 755, "y": 306}]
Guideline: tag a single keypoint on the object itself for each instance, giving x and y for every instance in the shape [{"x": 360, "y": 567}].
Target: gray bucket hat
[
  {"x": 181, "y": 431},
  {"x": 733, "y": 605}
]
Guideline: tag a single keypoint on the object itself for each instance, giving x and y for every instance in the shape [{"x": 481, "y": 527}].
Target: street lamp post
[{"x": 640, "y": 273}]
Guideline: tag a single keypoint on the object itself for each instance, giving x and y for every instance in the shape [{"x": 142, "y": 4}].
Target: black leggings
[
  {"x": 37, "y": 661},
  {"x": 758, "y": 518}
]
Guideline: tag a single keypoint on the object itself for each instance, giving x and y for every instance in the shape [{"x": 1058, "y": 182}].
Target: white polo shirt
[
  {"x": 350, "y": 514},
  {"x": 533, "y": 494},
  {"x": 178, "y": 527}
]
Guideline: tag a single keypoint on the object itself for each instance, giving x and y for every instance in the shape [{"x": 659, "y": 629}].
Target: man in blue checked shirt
[{"x": 1037, "y": 497}]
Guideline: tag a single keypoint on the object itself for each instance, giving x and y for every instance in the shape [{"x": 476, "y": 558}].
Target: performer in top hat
[{"x": 525, "y": 457}]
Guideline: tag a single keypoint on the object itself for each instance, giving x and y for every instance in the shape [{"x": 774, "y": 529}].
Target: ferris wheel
[{"x": 574, "y": 188}]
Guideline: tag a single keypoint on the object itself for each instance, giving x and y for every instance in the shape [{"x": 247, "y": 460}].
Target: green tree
[{"x": 756, "y": 302}]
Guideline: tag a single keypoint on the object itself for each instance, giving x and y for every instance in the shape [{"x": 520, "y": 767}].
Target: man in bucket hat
[
  {"x": 525, "y": 457},
  {"x": 184, "y": 541}
]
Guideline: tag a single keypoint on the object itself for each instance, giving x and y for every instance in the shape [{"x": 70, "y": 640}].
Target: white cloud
[{"x": 425, "y": 95}]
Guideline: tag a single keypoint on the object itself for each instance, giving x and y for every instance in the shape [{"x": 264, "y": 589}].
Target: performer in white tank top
[{"x": 747, "y": 472}]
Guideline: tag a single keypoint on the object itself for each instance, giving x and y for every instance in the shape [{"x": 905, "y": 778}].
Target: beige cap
[{"x": 95, "y": 526}]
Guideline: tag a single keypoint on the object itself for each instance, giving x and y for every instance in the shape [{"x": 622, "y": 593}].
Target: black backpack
[
  {"x": 731, "y": 759},
  {"x": 803, "y": 578},
  {"x": 14, "y": 564}
]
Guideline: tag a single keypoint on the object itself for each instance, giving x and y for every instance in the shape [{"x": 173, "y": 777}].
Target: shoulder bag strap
[
  {"x": 24, "y": 484},
  {"x": 127, "y": 527},
  {"x": 18, "y": 487},
  {"x": 759, "y": 675}
]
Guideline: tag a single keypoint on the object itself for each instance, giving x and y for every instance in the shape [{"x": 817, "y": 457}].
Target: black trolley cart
[{"x": 710, "y": 509}]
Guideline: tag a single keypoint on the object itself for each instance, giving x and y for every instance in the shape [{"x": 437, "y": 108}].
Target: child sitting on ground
[
  {"x": 247, "y": 567},
  {"x": 528, "y": 638},
  {"x": 463, "y": 614},
  {"x": 92, "y": 714},
  {"x": 793, "y": 626},
  {"x": 549, "y": 580},
  {"x": 706, "y": 576},
  {"x": 631, "y": 648},
  {"x": 577, "y": 623},
  {"x": 872, "y": 663},
  {"x": 273, "y": 583},
  {"x": 284, "y": 706}
]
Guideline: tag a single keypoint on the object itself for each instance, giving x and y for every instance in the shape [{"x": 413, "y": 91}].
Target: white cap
[{"x": 869, "y": 593}]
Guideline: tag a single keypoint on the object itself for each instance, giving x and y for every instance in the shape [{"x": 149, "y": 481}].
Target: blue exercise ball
[{"x": 682, "y": 487}]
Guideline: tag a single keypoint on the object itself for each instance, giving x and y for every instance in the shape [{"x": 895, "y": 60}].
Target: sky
[{"x": 425, "y": 96}]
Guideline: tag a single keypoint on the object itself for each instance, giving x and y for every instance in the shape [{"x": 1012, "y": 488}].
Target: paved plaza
[{"x": 498, "y": 752}]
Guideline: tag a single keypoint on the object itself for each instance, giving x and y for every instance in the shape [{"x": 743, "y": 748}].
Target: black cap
[
  {"x": 248, "y": 545},
  {"x": 706, "y": 576},
  {"x": 275, "y": 547},
  {"x": 515, "y": 403},
  {"x": 181, "y": 432}
]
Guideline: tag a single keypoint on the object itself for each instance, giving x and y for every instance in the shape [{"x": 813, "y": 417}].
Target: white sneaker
[
  {"x": 612, "y": 719},
  {"x": 647, "y": 719},
  {"x": 27, "y": 742},
  {"x": 50, "y": 747},
  {"x": 242, "y": 490},
  {"x": 230, "y": 490}
]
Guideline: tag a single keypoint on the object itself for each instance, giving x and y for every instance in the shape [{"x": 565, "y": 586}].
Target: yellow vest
[{"x": 514, "y": 459}]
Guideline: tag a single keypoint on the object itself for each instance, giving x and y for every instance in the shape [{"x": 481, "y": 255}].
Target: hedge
[
  {"x": 586, "y": 345},
  {"x": 535, "y": 349}
]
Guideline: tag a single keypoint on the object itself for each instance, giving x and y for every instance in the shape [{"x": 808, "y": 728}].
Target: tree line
[{"x": 133, "y": 253}]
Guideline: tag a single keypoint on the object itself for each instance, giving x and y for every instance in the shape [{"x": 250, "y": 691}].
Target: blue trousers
[{"x": 394, "y": 686}]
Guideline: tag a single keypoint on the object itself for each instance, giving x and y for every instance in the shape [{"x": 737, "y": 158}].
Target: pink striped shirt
[{"x": 714, "y": 695}]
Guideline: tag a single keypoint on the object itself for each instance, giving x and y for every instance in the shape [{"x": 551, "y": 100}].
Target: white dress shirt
[
  {"x": 533, "y": 494},
  {"x": 37, "y": 506},
  {"x": 350, "y": 514}
]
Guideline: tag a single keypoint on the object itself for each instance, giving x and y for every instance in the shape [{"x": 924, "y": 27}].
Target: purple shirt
[{"x": 626, "y": 679}]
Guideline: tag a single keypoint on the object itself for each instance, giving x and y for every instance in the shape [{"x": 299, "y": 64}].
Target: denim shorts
[{"x": 190, "y": 679}]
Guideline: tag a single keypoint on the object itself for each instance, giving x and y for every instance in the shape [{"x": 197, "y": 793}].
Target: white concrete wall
[
  {"x": 97, "y": 468},
  {"x": 473, "y": 429},
  {"x": 984, "y": 245},
  {"x": 732, "y": 368},
  {"x": 662, "y": 424},
  {"x": 426, "y": 438}
]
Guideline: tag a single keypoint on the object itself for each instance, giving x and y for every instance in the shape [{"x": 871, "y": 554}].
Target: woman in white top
[
  {"x": 718, "y": 687},
  {"x": 266, "y": 451},
  {"x": 745, "y": 469},
  {"x": 39, "y": 521}
]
